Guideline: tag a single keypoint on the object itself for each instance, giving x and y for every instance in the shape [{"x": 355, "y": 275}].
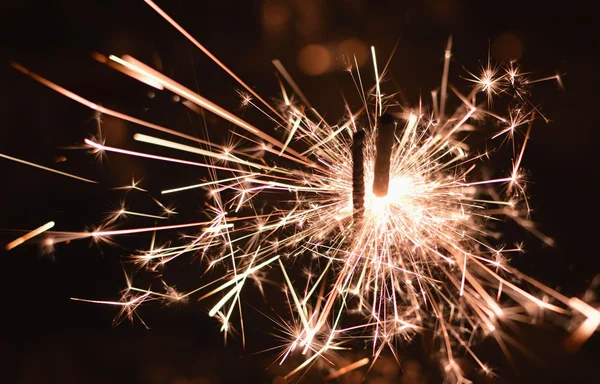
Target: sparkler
[
  {"x": 413, "y": 252},
  {"x": 383, "y": 151},
  {"x": 358, "y": 175}
]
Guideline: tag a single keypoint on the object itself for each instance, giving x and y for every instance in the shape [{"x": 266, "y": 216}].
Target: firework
[{"x": 389, "y": 205}]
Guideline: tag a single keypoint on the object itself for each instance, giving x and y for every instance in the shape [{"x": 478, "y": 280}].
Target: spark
[
  {"x": 208, "y": 183},
  {"x": 133, "y": 186},
  {"x": 29, "y": 235},
  {"x": 190, "y": 38},
  {"x": 377, "y": 81},
  {"x": 99, "y": 233},
  {"x": 186, "y": 148},
  {"x": 46, "y": 168},
  {"x": 102, "y": 147},
  {"x": 124, "y": 212},
  {"x": 585, "y": 330},
  {"x": 444, "y": 96},
  {"x": 346, "y": 369}
]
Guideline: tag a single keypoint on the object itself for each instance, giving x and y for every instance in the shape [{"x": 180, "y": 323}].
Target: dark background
[{"x": 46, "y": 338}]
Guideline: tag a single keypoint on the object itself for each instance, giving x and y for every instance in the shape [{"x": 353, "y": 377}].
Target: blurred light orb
[
  {"x": 507, "y": 46},
  {"x": 314, "y": 59},
  {"x": 351, "y": 48},
  {"x": 275, "y": 16}
]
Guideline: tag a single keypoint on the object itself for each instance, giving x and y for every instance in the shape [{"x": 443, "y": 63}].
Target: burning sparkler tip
[{"x": 385, "y": 141}]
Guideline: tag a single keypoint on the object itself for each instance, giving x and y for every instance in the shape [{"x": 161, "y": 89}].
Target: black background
[{"x": 49, "y": 339}]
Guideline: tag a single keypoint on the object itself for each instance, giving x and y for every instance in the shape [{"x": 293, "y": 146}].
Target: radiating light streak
[
  {"x": 186, "y": 148},
  {"x": 377, "y": 81},
  {"x": 205, "y": 103},
  {"x": 444, "y": 95},
  {"x": 288, "y": 78},
  {"x": 124, "y": 68},
  {"x": 181, "y": 30},
  {"x": 117, "y": 303},
  {"x": 46, "y": 168},
  {"x": 206, "y": 184},
  {"x": 585, "y": 330},
  {"x": 131, "y": 213},
  {"x": 29, "y": 235},
  {"x": 106, "y": 148},
  {"x": 106, "y": 111},
  {"x": 239, "y": 277},
  {"x": 120, "y": 232},
  {"x": 334, "y": 134},
  {"x": 346, "y": 369},
  {"x": 218, "y": 228},
  {"x": 292, "y": 131}
]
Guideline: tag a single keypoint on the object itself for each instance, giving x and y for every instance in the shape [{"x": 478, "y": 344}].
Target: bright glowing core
[{"x": 401, "y": 189}]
